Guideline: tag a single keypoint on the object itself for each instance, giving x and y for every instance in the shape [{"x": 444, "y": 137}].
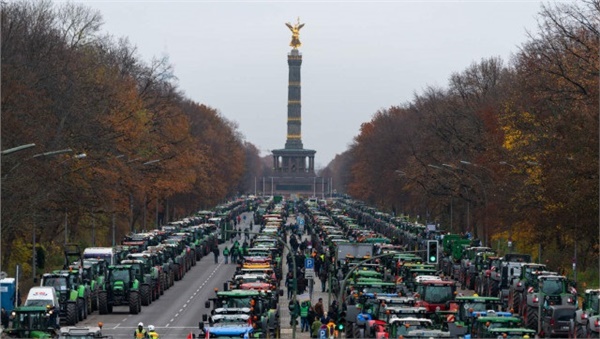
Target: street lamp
[
  {"x": 485, "y": 201},
  {"x": 451, "y": 196},
  {"x": 77, "y": 156},
  {"x": 16, "y": 149}
]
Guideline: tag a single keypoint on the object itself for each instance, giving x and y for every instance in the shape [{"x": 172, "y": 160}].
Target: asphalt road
[{"x": 180, "y": 308}]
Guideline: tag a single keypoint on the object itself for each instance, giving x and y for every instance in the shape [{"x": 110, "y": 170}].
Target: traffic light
[{"x": 432, "y": 251}]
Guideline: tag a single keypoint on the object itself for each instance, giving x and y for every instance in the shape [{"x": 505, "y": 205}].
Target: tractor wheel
[
  {"x": 579, "y": 331},
  {"x": 531, "y": 318},
  {"x": 72, "y": 314},
  {"x": 177, "y": 269},
  {"x": 477, "y": 286},
  {"x": 349, "y": 331},
  {"x": 81, "y": 309},
  {"x": 90, "y": 309},
  {"x": 493, "y": 288},
  {"x": 156, "y": 291},
  {"x": 193, "y": 256},
  {"x": 356, "y": 331},
  {"x": 145, "y": 295},
  {"x": 94, "y": 301},
  {"x": 103, "y": 302},
  {"x": 198, "y": 255},
  {"x": 516, "y": 302},
  {"x": 134, "y": 302},
  {"x": 163, "y": 281}
]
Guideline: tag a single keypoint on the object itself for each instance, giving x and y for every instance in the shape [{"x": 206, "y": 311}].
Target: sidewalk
[{"x": 286, "y": 328}]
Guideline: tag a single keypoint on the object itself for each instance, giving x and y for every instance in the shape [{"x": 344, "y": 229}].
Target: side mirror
[
  {"x": 201, "y": 324},
  {"x": 204, "y": 317},
  {"x": 207, "y": 304},
  {"x": 225, "y": 286}
]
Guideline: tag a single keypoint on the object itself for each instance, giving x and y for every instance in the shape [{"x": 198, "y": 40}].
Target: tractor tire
[
  {"x": 531, "y": 318},
  {"x": 470, "y": 282},
  {"x": 81, "y": 309},
  {"x": 579, "y": 331},
  {"x": 514, "y": 301},
  {"x": 94, "y": 298},
  {"x": 72, "y": 314},
  {"x": 145, "y": 295},
  {"x": 134, "y": 302},
  {"x": 357, "y": 331},
  {"x": 177, "y": 269},
  {"x": 198, "y": 255},
  {"x": 163, "y": 281},
  {"x": 193, "y": 256},
  {"x": 477, "y": 284},
  {"x": 156, "y": 291},
  {"x": 493, "y": 288},
  {"x": 103, "y": 302},
  {"x": 349, "y": 331},
  {"x": 90, "y": 309}
]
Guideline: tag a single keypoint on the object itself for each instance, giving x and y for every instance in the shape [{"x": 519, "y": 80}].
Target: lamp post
[
  {"x": 16, "y": 149},
  {"x": 451, "y": 196},
  {"x": 485, "y": 200},
  {"x": 77, "y": 156}
]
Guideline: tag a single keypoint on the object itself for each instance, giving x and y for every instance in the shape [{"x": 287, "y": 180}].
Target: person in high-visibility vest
[
  {"x": 304, "y": 307},
  {"x": 331, "y": 329},
  {"x": 152, "y": 333},
  {"x": 140, "y": 332}
]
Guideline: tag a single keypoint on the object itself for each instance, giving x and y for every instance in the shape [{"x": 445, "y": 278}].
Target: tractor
[
  {"x": 32, "y": 322},
  {"x": 72, "y": 294},
  {"x": 590, "y": 310},
  {"x": 123, "y": 289}
]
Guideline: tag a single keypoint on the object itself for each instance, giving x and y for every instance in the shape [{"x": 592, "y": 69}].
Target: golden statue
[{"x": 295, "y": 33}]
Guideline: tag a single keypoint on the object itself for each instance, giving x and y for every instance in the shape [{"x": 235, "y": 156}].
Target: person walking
[
  {"x": 304, "y": 307},
  {"x": 315, "y": 327},
  {"x": 216, "y": 253},
  {"x": 226, "y": 254},
  {"x": 289, "y": 283},
  {"x": 5, "y": 318},
  {"x": 331, "y": 328},
  {"x": 319, "y": 309},
  {"x": 323, "y": 278},
  {"x": 333, "y": 311}
]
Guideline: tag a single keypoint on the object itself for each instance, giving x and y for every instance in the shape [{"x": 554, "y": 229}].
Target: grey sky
[{"x": 358, "y": 57}]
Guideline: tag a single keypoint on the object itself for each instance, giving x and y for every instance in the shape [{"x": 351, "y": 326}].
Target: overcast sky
[{"x": 358, "y": 57}]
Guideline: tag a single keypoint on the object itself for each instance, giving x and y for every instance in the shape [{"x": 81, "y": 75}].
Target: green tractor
[
  {"x": 32, "y": 322},
  {"x": 550, "y": 290},
  {"x": 261, "y": 307},
  {"x": 590, "y": 309},
  {"x": 143, "y": 273},
  {"x": 72, "y": 294},
  {"x": 123, "y": 289},
  {"x": 527, "y": 276},
  {"x": 94, "y": 274}
]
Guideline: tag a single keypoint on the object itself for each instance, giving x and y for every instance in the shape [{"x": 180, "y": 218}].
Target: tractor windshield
[
  {"x": 553, "y": 287},
  {"x": 468, "y": 308},
  {"x": 438, "y": 294},
  {"x": 28, "y": 320},
  {"x": 236, "y": 302},
  {"x": 59, "y": 283},
  {"x": 595, "y": 302},
  {"x": 122, "y": 275}
]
